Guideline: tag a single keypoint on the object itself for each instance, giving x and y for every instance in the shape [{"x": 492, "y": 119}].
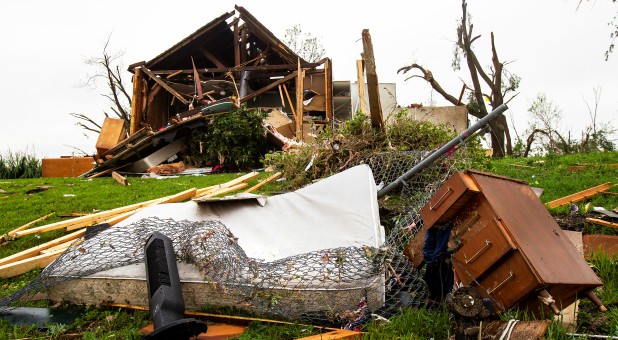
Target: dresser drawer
[
  {"x": 449, "y": 199},
  {"x": 484, "y": 241},
  {"x": 509, "y": 282}
]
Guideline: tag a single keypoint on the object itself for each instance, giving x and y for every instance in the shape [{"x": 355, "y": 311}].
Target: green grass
[
  {"x": 549, "y": 173},
  {"x": 20, "y": 164}
]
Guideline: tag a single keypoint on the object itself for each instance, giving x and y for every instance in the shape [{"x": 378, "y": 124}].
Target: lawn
[{"x": 75, "y": 195}]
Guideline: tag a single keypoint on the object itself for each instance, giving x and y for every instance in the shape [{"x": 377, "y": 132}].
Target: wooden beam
[
  {"x": 211, "y": 57},
  {"x": 268, "y": 87},
  {"x": 236, "y": 44},
  {"x": 136, "y": 102},
  {"x": 264, "y": 182},
  {"x": 281, "y": 95},
  {"x": 227, "y": 190},
  {"x": 299, "y": 102},
  {"x": 243, "y": 45},
  {"x": 579, "y": 196},
  {"x": 360, "y": 73},
  {"x": 165, "y": 86},
  {"x": 26, "y": 265},
  {"x": 334, "y": 335},
  {"x": 99, "y": 217},
  {"x": 241, "y": 179},
  {"x": 28, "y": 225},
  {"x": 602, "y": 222},
  {"x": 375, "y": 108},
  {"x": 173, "y": 75},
  {"x": 287, "y": 94},
  {"x": 34, "y": 251},
  {"x": 282, "y": 67},
  {"x": 231, "y": 319},
  {"x": 120, "y": 178},
  {"x": 328, "y": 86}
]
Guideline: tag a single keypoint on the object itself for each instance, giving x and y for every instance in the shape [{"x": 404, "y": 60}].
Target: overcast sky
[{"x": 552, "y": 46}]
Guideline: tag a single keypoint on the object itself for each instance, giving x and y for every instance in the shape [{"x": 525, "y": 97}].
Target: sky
[{"x": 554, "y": 47}]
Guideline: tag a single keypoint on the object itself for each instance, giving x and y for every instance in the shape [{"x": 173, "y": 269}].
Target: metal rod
[{"x": 441, "y": 151}]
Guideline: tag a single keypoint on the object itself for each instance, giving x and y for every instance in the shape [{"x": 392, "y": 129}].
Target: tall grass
[{"x": 20, "y": 164}]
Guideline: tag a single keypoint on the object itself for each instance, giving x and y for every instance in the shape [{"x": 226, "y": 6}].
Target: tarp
[{"x": 338, "y": 211}]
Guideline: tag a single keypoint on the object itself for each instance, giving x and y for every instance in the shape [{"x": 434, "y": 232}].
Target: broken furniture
[
  {"x": 112, "y": 132},
  {"x": 66, "y": 166},
  {"x": 508, "y": 245}
]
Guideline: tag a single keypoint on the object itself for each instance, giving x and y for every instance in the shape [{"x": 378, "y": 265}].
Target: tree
[
  {"x": 494, "y": 86},
  {"x": 107, "y": 68},
  {"x": 543, "y": 129},
  {"x": 613, "y": 34},
  {"x": 305, "y": 45}
]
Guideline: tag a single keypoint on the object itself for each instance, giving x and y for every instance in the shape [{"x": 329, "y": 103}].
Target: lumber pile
[{"x": 44, "y": 254}]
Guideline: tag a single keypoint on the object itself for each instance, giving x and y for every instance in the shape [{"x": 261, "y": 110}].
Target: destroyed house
[{"x": 235, "y": 60}]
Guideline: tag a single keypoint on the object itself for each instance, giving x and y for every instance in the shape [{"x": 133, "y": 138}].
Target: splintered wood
[
  {"x": 43, "y": 254},
  {"x": 579, "y": 196}
]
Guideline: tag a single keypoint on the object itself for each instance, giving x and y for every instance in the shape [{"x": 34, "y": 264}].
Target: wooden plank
[
  {"x": 601, "y": 222},
  {"x": 215, "y": 332},
  {"x": 104, "y": 215},
  {"x": 136, "y": 102},
  {"x": 28, "y": 225},
  {"x": 579, "y": 196},
  {"x": 120, "y": 178},
  {"x": 236, "y": 44},
  {"x": 264, "y": 182},
  {"x": 328, "y": 86},
  {"x": 211, "y": 57},
  {"x": 281, "y": 95},
  {"x": 332, "y": 335},
  {"x": 34, "y": 251},
  {"x": 244, "y": 178},
  {"x": 287, "y": 94},
  {"x": 268, "y": 87},
  {"x": 230, "y": 319},
  {"x": 360, "y": 73},
  {"x": 62, "y": 246},
  {"x": 299, "y": 102},
  {"x": 375, "y": 108},
  {"x": 227, "y": 190},
  {"x": 165, "y": 86},
  {"x": 26, "y": 265},
  {"x": 111, "y": 220}
]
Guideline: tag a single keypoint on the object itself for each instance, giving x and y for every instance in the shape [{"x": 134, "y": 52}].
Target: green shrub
[
  {"x": 20, "y": 164},
  {"x": 235, "y": 139}
]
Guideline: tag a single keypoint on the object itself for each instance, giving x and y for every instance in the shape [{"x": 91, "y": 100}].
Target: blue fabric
[{"x": 436, "y": 242}]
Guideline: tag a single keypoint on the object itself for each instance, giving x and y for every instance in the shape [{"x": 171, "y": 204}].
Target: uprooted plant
[{"x": 355, "y": 142}]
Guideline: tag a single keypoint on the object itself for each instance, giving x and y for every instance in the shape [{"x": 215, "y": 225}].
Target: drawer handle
[
  {"x": 478, "y": 253},
  {"x": 503, "y": 282},
  {"x": 437, "y": 204}
]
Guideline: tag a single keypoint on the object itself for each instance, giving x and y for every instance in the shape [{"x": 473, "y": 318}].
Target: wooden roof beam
[
  {"x": 165, "y": 86},
  {"x": 268, "y": 87},
  {"x": 211, "y": 57}
]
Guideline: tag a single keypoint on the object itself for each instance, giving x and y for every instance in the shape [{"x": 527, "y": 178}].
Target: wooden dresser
[{"x": 508, "y": 245}]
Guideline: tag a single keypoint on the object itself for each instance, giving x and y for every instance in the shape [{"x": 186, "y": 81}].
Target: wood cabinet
[{"x": 508, "y": 245}]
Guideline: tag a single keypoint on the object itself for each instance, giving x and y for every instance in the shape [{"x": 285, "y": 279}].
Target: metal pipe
[{"x": 441, "y": 151}]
